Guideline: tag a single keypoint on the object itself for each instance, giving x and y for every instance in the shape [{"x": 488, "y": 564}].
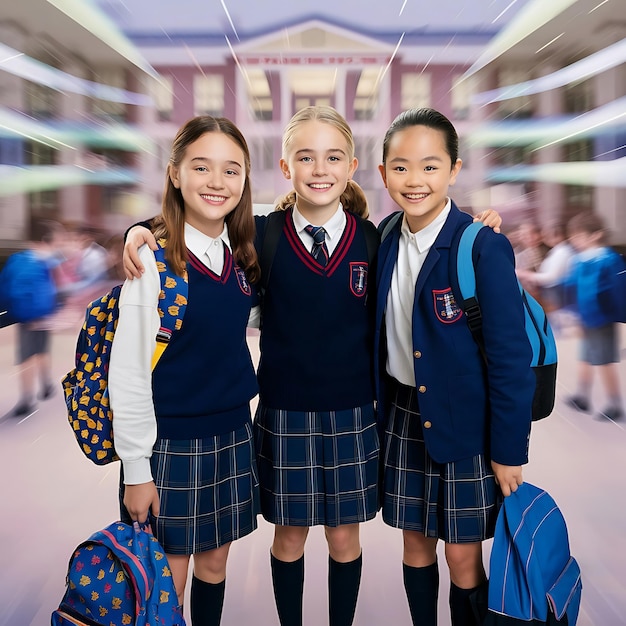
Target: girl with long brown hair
[{"x": 183, "y": 431}]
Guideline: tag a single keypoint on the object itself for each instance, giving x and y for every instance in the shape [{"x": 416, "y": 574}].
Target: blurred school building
[{"x": 88, "y": 113}]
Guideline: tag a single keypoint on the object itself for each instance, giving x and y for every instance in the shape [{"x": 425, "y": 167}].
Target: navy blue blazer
[{"x": 465, "y": 407}]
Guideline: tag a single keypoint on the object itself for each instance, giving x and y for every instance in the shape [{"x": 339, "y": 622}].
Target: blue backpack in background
[
  {"x": 612, "y": 287},
  {"x": 120, "y": 576},
  {"x": 27, "y": 289}
]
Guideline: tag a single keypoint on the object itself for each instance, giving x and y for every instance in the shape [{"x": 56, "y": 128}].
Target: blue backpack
[
  {"x": 27, "y": 289},
  {"x": 538, "y": 330},
  {"x": 612, "y": 287},
  {"x": 120, "y": 575},
  {"x": 85, "y": 387},
  {"x": 533, "y": 579}
]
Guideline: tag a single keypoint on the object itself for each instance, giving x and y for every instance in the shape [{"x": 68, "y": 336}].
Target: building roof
[
  {"x": 239, "y": 17},
  {"x": 78, "y": 26}
]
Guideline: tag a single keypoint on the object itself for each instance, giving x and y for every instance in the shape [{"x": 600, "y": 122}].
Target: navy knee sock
[
  {"x": 288, "y": 581},
  {"x": 461, "y": 609},
  {"x": 422, "y": 591},
  {"x": 207, "y": 600},
  {"x": 344, "y": 580}
]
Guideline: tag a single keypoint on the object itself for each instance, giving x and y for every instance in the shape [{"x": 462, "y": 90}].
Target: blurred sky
[{"x": 148, "y": 16}]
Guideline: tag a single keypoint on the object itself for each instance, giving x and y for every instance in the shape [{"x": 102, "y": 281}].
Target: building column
[
  {"x": 550, "y": 196},
  {"x": 274, "y": 82},
  {"x": 352, "y": 83},
  {"x": 73, "y": 199},
  {"x": 481, "y": 192},
  {"x": 610, "y": 202},
  {"x": 285, "y": 97},
  {"x": 340, "y": 91},
  {"x": 242, "y": 115}
]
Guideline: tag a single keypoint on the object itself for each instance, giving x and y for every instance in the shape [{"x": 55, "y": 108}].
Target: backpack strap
[
  {"x": 120, "y": 539},
  {"x": 462, "y": 265},
  {"x": 389, "y": 224},
  {"x": 172, "y": 302},
  {"x": 274, "y": 225},
  {"x": 372, "y": 241}
]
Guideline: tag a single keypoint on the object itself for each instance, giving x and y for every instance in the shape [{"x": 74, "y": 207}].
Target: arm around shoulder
[{"x": 134, "y": 238}]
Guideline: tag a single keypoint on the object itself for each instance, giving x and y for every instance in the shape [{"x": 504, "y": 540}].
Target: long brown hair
[
  {"x": 240, "y": 221},
  {"x": 353, "y": 199}
]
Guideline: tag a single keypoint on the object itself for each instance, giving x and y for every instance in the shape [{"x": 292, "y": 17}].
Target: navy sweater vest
[
  {"x": 316, "y": 342},
  {"x": 203, "y": 384}
]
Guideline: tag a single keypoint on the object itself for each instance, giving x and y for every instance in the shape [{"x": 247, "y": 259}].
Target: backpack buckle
[{"x": 472, "y": 313}]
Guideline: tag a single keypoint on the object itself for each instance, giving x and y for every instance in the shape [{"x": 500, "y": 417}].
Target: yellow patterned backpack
[
  {"x": 119, "y": 576},
  {"x": 85, "y": 387}
]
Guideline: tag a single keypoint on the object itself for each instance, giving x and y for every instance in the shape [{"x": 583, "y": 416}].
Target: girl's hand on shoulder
[
  {"x": 490, "y": 218},
  {"x": 141, "y": 499},
  {"x": 137, "y": 236},
  {"x": 526, "y": 275},
  {"x": 508, "y": 477}
]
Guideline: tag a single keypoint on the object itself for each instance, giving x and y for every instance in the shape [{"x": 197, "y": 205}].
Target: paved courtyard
[{"x": 52, "y": 498}]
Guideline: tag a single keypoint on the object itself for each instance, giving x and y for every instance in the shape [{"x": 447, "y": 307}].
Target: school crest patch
[
  {"x": 242, "y": 279},
  {"x": 358, "y": 279},
  {"x": 446, "y": 308}
]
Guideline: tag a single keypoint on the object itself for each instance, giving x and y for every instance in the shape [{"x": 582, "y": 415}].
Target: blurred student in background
[{"x": 593, "y": 293}]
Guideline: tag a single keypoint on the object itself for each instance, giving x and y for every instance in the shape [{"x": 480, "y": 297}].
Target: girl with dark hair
[
  {"x": 183, "y": 431},
  {"x": 456, "y": 430}
]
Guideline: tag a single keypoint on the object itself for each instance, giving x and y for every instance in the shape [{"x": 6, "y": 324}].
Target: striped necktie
[{"x": 319, "y": 251}]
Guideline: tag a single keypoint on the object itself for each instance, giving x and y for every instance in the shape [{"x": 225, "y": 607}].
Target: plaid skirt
[
  {"x": 317, "y": 468},
  {"x": 457, "y": 502},
  {"x": 208, "y": 491}
]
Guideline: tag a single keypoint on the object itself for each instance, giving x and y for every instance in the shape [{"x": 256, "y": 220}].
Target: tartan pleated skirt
[
  {"x": 317, "y": 468},
  {"x": 208, "y": 491},
  {"x": 457, "y": 502}
]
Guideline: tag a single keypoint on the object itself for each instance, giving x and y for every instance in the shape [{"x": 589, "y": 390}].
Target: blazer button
[
  {"x": 417, "y": 354},
  {"x": 422, "y": 389},
  {"x": 427, "y": 424}
]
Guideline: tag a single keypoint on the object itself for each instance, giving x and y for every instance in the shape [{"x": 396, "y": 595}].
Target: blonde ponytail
[
  {"x": 286, "y": 202},
  {"x": 354, "y": 200}
]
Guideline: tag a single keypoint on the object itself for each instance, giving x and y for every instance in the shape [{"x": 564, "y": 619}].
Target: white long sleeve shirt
[{"x": 555, "y": 266}]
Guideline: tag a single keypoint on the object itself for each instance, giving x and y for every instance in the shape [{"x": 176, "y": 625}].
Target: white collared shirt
[
  {"x": 412, "y": 251},
  {"x": 209, "y": 250},
  {"x": 334, "y": 228}
]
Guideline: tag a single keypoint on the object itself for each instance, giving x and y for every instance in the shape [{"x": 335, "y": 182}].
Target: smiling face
[
  {"x": 211, "y": 178},
  {"x": 417, "y": 173},
  {"x": 319, "y": 162}
]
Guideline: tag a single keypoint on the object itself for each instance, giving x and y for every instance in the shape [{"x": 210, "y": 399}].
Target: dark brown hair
[{"x": 240, "y": 221}]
